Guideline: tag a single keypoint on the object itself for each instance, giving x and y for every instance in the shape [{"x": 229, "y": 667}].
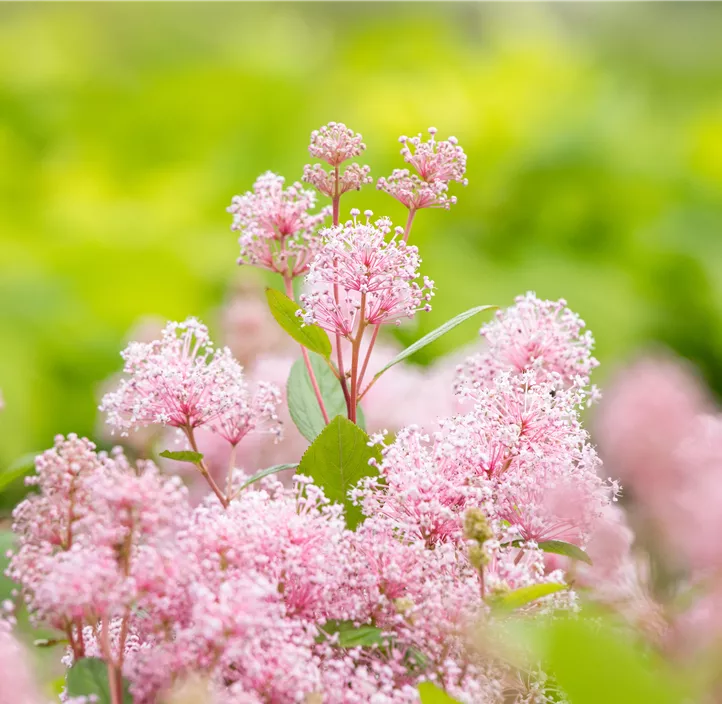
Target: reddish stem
[
  {"x": 204, "y": 470},
  {"x": 368, "y": 356},
  {"x": 409, "y": 223}
]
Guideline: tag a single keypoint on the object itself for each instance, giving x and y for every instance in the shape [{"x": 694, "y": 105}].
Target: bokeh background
[{"x": 594, "y": 135}]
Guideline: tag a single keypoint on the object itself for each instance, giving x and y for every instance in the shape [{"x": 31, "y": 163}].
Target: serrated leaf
[
  {"x": 336, "y": 460},
  {"x": 266, "y": 473},
  {"x": 19, "y": 468},
  {"x": 284, "y": 310},
  {"x": 303, "y": 404},
  {"x": 90, "y": 676},
  {"x": 525, "y": 595},
  {"x": 434, "y": 335},
  {"x": 431, "y": 694},
  {"x": 183, "y": 456}
]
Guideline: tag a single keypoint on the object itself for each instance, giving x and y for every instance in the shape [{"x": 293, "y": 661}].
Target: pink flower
[
  {"x": 375, "y": 279},
  {"x": 415, "y": 193},
  {"x": 335, "y": 143},
  {"x": 251, "y": 412},
  {"x": 179, "y": 380},
  {"x": 436, "y": 163},
  {"x": 278, "y": 232},
  {"x": 544, "y": 336}
]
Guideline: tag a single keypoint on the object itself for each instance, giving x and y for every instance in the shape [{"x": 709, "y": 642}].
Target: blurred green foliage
[{"x": 594, "y": 135}]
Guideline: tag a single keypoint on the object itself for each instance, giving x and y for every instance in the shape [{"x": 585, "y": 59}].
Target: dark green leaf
[
  {"x": 302, "y": 402},
  {"x": 434, "y": 335},
  {"x": 431, "y": 694},
  {"x": 284, "y": 310},
  {"x": 19, "y": 468},
  {"x": 524, "y": 595},
  {"x": 90, "y": 676},
  {"x": 337, "y": 460},
  {"x": 265, "y": 473},
  {"x": 182, "y": 456}
]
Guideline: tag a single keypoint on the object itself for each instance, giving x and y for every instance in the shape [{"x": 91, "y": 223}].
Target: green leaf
[
  {"x": 337, "y": 460},
  {"x": 596, "y": 662},
  {"x": 7, "y": 542},
  {"x": 434, "y": 335},
  {"x": 302, "y": 402},
  {"x": 350, "y": 636},
  {"x": 524, "y": 595},
  {"x": 183, "y": 456},
  {"x": 19, "y": 468},
  {"x": 266, "y": 473},
  {"x": 284, "y": 310},
  {"x": 560, "y": 547},
  {"x": 431, "y": 694},
  {"x": 90, "y": 676}
]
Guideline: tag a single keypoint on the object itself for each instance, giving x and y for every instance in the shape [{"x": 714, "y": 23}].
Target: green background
[{"x": 594, "y": 135}]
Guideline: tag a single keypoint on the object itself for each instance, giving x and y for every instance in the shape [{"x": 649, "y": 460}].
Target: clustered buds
[{"x": 436, "y": 165}]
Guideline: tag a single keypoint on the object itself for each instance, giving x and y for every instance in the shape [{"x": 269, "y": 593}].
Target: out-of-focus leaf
[
  {"x": 431, "y": 694},
  {"x": 21, "y": 467},
  {"x": 89, "y": 676},
  {"x": 509, "y": 601}
]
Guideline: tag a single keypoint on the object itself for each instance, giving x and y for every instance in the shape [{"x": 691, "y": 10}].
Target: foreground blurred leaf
[
  {"x": 182, "y": 456},
  {"x": 89, "y": 676},
  {"x": 524, "y": 595},
  {"x": 310, "y": 336},
  {"x": 303, "y": 404},
  {"x": 433, "y": 335},
  {"x": 594, "y": 663},
  {"x": 337, "y": 460},
  {"x": 431, "y": 694}
]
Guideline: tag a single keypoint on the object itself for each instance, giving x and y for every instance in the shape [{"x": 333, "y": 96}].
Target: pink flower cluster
[
  {"x": 278, "y": 233},
  {"x": 182, "y": 381},
  {"x": 250, "y": 595},
  {"x": 436, "y": 164},
  {"x": 335, "y": 143},
  {"x": 359, "y": 278}
]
